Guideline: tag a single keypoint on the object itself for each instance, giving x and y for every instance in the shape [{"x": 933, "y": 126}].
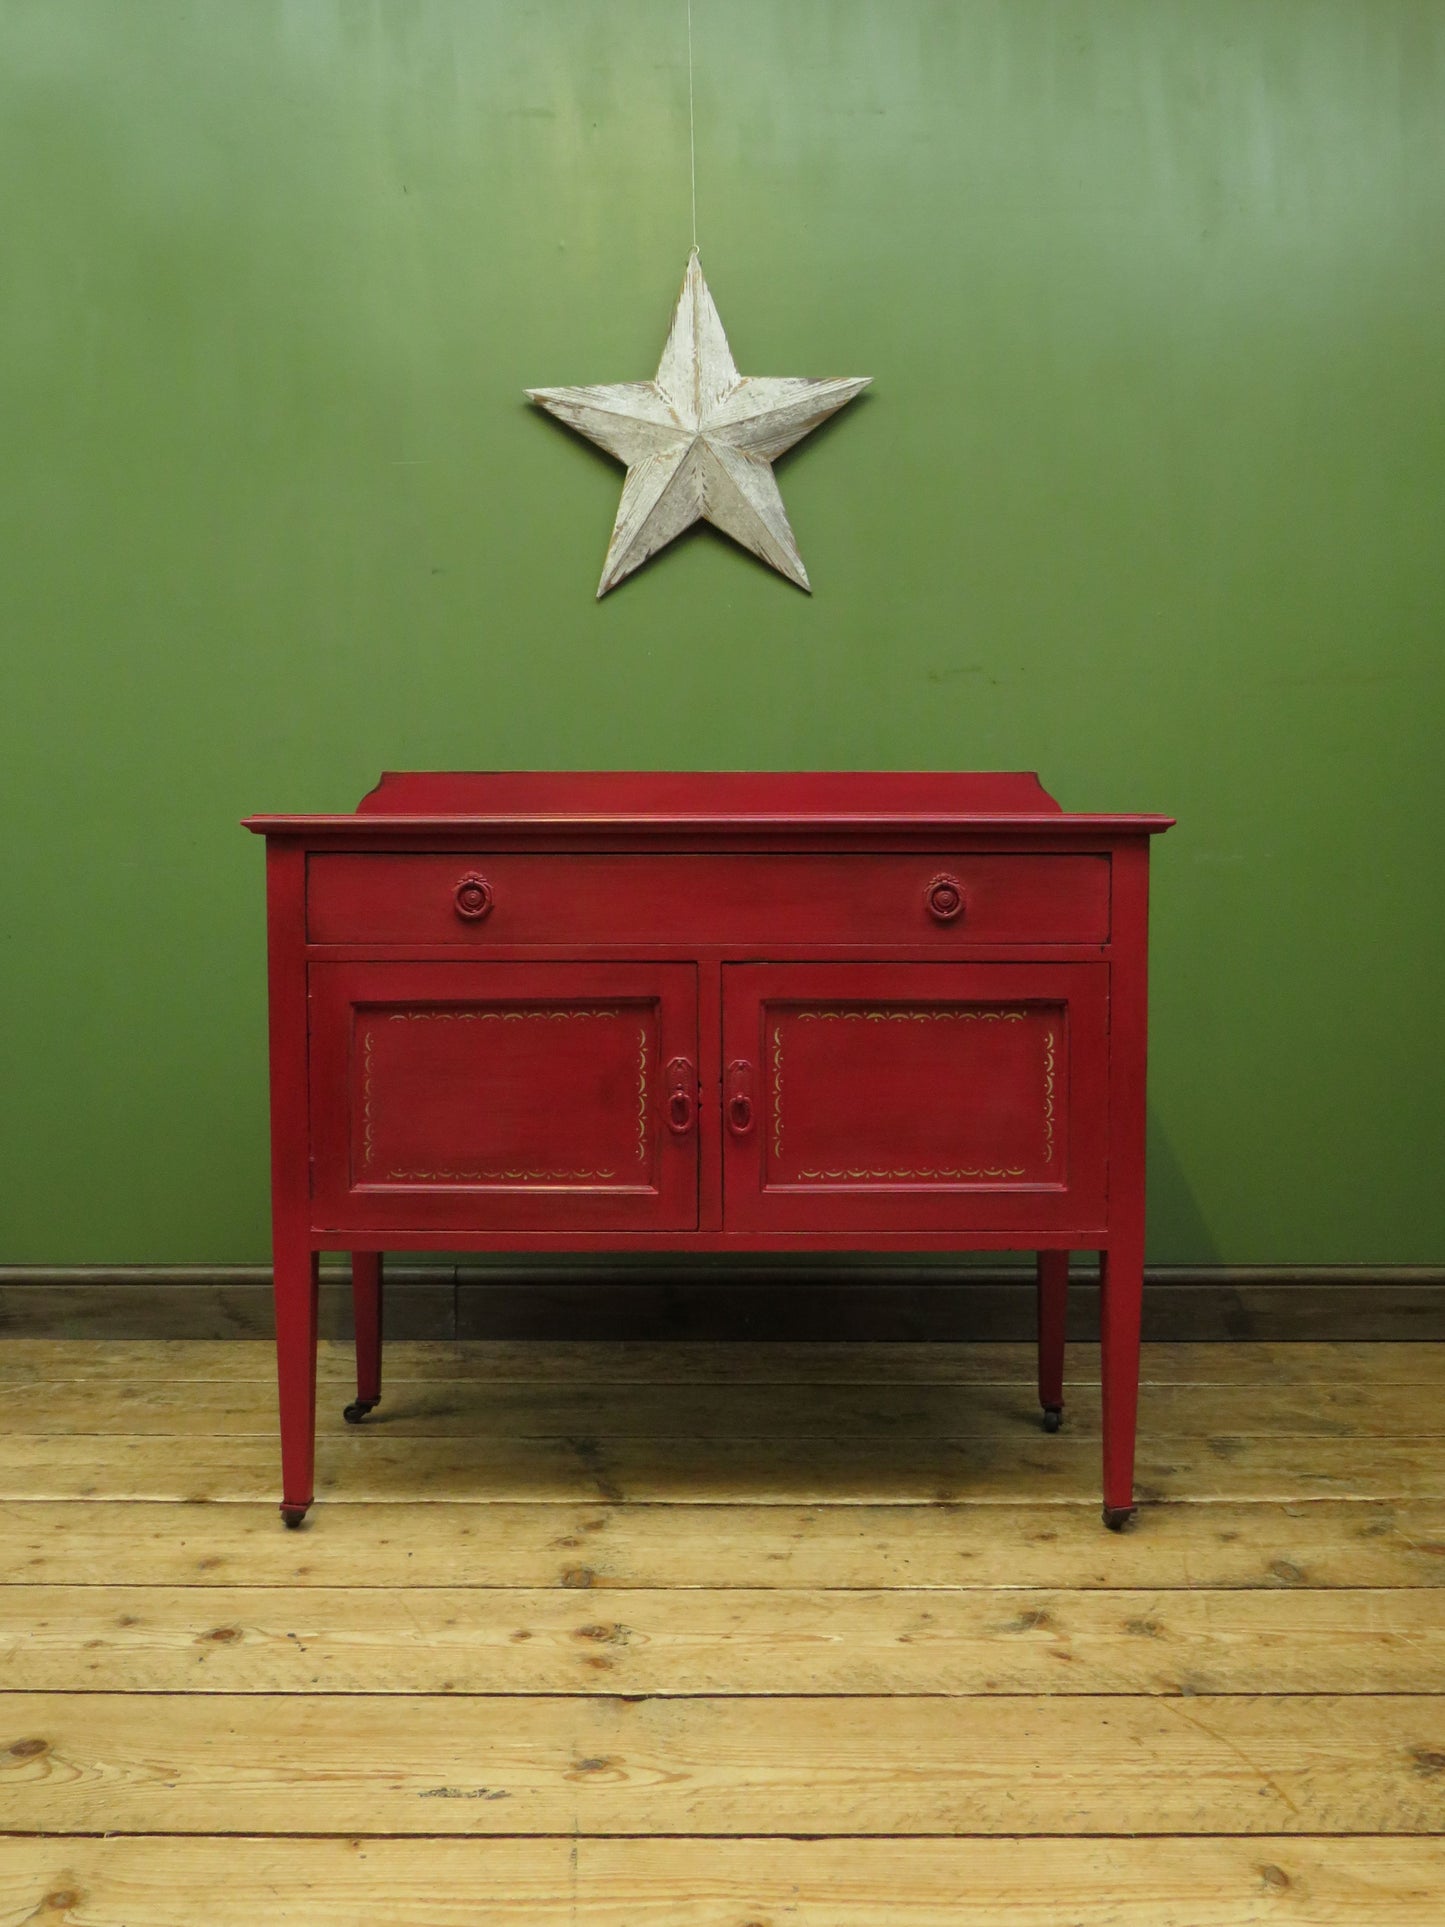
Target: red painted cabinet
[{"x": 707, "y": 1012}]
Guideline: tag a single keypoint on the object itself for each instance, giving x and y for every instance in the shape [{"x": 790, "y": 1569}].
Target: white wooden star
[{"x": 699, "y": 441}]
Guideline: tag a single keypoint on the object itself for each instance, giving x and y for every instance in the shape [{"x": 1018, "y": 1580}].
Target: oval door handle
[
  {"x": 681, "y": 1099},
  {"x": 740, "y": 1097},
  {"x": 473, "y": 897},
  {"x": 944, "y": 897}
]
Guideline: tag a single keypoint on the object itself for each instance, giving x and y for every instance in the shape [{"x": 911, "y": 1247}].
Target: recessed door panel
[
  {"x": 481, "y": 1096},
  {"x": 915, "y": 1096}
]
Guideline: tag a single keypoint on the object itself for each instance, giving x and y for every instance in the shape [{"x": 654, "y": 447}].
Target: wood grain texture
[
  {"x": 1320, "y": 1543},
  {"x": 541, "y": 1407},
  {"x": 458, "y": 1640},
  {"x": 369, "y": 1465},
  {"x": 1026, "y": 1883},
  {"x": 1321, "y": 1367},
  {"x": 264, "y": 1882},
  {"x": 137, "y": 1763}
]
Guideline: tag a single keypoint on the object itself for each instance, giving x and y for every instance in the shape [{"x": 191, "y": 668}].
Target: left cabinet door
[{"x": 503, "y": 1096}]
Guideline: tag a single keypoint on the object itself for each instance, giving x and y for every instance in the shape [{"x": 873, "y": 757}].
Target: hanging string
[{"x": 691, "y": 129}]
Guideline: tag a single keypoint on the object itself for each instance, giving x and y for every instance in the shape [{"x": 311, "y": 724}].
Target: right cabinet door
[{"x": 916, "y": 1097}]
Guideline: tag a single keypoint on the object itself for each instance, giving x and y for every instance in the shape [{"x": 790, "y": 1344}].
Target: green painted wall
[{"x": 1147, "y": 495}]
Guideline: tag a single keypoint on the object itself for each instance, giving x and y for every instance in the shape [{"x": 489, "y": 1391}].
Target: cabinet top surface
[{"x": 720, "y": 799}]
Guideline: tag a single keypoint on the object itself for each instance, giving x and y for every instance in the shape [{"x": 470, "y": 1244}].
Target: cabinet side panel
[
  {"x": 1129, "y": 1035},
  {"x": 287, "y": 1020}
]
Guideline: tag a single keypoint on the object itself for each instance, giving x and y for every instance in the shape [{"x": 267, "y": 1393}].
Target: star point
[{"x": 699, "y": 441}]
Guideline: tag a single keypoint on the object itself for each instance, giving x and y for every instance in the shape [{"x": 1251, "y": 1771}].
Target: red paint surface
[
  {"x": 918, "y": 1096},
  {"x": 452, "y": 1096},
  {"x": 707, "y": 1012},
  {"x": 826, "y": 898}
]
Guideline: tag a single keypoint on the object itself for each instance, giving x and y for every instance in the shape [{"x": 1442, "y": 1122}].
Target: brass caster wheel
[
  {"x": 294, "y": 1514},
  {"x": 357, "y": 1410},
  {"x": 1117, "y": 1517},
  {"x": 1053, "y": 1417}
]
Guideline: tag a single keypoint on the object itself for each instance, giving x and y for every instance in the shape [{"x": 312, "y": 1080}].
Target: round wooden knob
[
  {"x": 944, "y": 897},
  {"x": 473, "y": 897}
]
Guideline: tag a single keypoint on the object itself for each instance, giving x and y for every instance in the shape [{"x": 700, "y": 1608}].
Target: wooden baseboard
[{"x": 612, "y": 1299}]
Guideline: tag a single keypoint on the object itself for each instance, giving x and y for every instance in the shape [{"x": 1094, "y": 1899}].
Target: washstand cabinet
[{"x": 875, "y": 1012}]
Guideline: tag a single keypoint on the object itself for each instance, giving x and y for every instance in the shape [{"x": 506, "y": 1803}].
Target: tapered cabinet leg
[
  {"x": 1053, "y": 1296},
  {"x": 366, "y": 1299},
  {"x": 1121, "y": 1302},
  {"x": 295, "y": 1289}
]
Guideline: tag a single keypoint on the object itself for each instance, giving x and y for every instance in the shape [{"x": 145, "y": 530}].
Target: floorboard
[
  {"x": 560, "y": 1763},
  {"x": 261, "y": 1881},
  {"x": 446, "y": 1639},
  {"x": 358, "y": 1466},
  {"x": 234, "y": 1361},
  {"x": 418, "y": 1408},
  {"x": 1310, "y": 1542}
]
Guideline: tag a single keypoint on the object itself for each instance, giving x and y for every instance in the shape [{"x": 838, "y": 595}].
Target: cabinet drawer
[{"x": 482, "y": 899}]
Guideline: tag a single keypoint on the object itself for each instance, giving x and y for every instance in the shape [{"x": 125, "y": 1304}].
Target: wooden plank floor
[{"x": 681, "y": 1635}]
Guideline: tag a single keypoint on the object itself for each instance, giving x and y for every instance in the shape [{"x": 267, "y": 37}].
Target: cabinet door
[
  {"x": 912, "y": 1097},
  {"x": 492, "y": 1096}
]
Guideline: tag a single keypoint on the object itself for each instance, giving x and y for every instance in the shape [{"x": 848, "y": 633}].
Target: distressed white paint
[{"x": 699, "y": 441}]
